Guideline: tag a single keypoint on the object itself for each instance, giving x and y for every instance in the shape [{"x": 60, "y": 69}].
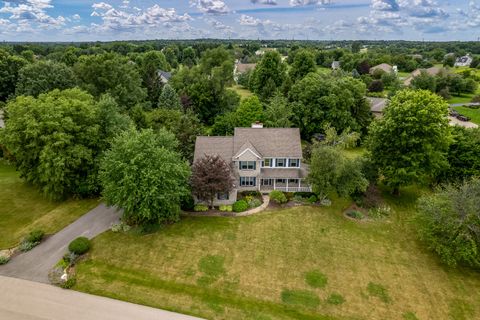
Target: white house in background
[
  {"x": 263, "y": 159},
  {"x": 335, "y": 65},
  {"x": 164, "y": 76},
  {"x": 385, "y": 67},
  {"x": 464, "y": 61}
]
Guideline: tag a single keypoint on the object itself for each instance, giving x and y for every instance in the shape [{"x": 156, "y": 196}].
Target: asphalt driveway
[{"x": 35, "y": 264}]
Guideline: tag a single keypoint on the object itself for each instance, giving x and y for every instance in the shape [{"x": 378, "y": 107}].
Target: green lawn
[
  {"x": 474, "y": 114},
  {"x": 464, "y": 98},
  {"x": 242, "y": 92},
  {"x": 297, "y": 263},
  {"x": 23, "y": 208}
]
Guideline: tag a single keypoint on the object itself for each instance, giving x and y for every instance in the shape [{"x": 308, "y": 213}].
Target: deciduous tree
[
  {"x": 211, "y": 175},
  {"x": 409, "y": 144},
  {"x": 144, "y": 175}
]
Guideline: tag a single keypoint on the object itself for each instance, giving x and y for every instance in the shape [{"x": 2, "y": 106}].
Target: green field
[
  {"x": 23, "y": 208},
  {"x": 473, "y": 114},
  {"x": 297, "y": 263}
]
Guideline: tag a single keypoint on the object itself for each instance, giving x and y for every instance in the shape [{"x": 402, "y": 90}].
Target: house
[
  {"x": 433, "y": 71},
  {"x": 241, "y": 68},
  {"x": 335, "y": 65},
  {"x": 164, "y": 76},
  {"x": 464, "y": 61},
  {"x": 385, "y": 67},
  {"x": 377, "y": 105},
  {"x": 262, "y": 51},
  {"x": 262, "y": 159}
]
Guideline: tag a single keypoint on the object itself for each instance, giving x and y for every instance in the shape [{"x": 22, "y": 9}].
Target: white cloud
[
  {"x": 28, "y": 12},
  {"x": 267, "y": 2},
  {"x": 210, "y": 6}
]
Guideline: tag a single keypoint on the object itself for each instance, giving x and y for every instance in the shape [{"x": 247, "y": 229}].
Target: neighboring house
[
  {"x": 433, "y": 71},
  {"x": 464, "y": 61},
  {"x": 335, "y": 65},
  {"x": 262, "y": 51},
  {"x": 241, "y": 68},
  {"x": 385, "y": 67},
  {"x": 164, "y": 76},
  {"x": 377, "y": 105},
  {"x": 263, "y": 159}
]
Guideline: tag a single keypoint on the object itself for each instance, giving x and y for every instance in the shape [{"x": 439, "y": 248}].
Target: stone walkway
[{"x": 35, "y": 264}]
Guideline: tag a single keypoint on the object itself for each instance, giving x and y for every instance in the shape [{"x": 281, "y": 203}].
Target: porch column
[
  {"x": 274, "y": 180},
  {"x": 299, "y": 184},
  {"x": 287, "y": 185}
]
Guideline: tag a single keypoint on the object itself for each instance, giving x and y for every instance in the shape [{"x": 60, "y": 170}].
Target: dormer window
[{"x": 247, "y": 165}]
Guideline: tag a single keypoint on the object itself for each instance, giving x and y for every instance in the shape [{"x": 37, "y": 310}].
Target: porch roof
[{"x": 275, "y": 173}]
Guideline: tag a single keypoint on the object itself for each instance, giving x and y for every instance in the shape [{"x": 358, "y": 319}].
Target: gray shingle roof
[
  {"x": 223, "y": 146},
  {"x": 270, "y": 142}
]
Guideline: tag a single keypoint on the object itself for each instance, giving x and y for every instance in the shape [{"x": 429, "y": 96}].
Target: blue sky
[{"x": 80, "y": 20}]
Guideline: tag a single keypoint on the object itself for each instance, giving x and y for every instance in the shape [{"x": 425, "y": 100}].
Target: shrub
[
  {"x": 35, "y": 236},
  {"x": 70, "y": 258},
  {"x": 225, "y": 208},
  {"x": 251, "y": 193},
  {"x": 79, "y": 246},
  {"x": 355, "y": 214},
  {"x": 278, "y": 196},
  {"x": 380, "y": 212},
  {"x": 326, "y": 202},
  {"x": 240, "y": 206},
  {"x": 121, "y": 226},
  {"x": 4, "y": 260},
  {"x": 71, "y": 281},
  {"x": 254, "y": 203},
  {"x": 27, "y": 246},
  {"x": 312, "y": 199},
  {"x": 200, "y": 208},
  {"x": 305, "y": 195},
  {"x": 335, "y": 299},
  {"x": 248, "y": 198}
]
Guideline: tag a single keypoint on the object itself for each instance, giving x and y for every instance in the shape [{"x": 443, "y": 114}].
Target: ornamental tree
[
  {"x": 211, "y": 175},
  {"x": 145, "y": 176},
  {"x": 410, "y": 143}
]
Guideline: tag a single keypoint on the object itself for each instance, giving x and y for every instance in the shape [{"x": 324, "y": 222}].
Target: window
[
  {"x": 267, "y": 182},
  {"x": 281, "y": 162},
  {"x": 248, "y": 181},
  {"x": 247, "y": 165},
  {"x": 267, "y": 163},
  {"x": 294, "y": 163},
  {"x": 282, "y": 181},
  {"x": 223, "y": 196},
  {"x": 293, "y": 181}
]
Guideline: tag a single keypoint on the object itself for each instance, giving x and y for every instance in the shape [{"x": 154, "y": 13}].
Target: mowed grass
[
  {"x": 296, "y": 263},
  {"x": 473, "y": 114},
  {"x": 242, "y": 91},
  {"x": 23, "y": 209}
]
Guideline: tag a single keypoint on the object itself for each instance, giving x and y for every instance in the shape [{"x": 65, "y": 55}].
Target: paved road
[
  {"x": 465, "y": 104},
  {"x": 35, "y": 264},
  {"x": 25, "y": 300}
]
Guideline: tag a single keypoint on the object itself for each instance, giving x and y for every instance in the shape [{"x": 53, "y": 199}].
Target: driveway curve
[{"x": 35, "y": 264}]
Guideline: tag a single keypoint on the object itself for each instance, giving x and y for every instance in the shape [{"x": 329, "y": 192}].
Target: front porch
[{"x": 284, "y": 185}]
